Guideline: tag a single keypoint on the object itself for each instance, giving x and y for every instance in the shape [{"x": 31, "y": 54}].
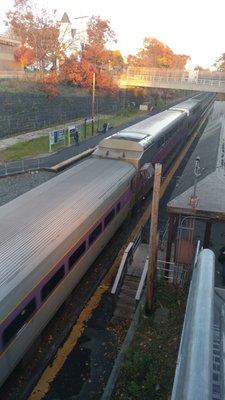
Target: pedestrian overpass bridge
[{"x": 203, "y": 81}]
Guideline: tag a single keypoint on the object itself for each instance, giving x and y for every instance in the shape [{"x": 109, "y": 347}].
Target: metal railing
[
  {"x": 20, "y": 166},
  {"x": 177, "y": 274},
  {"x": 142, "y": 281},
  {"x": 193, "y": 376},
  {"x": 125, "y": 263},
  {"x": 138, "y": 76}
]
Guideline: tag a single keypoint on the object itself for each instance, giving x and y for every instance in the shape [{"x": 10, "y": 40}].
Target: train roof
[
  {"x": 130, "y": 143},
  {"x": 187, "y": 105},
  {"x": 34, "y": 224},
  {"x": 156, "y": 124},
  {"x": 127, "y": 141}
]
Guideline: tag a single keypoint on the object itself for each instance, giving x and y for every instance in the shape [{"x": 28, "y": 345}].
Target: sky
[{"x": 188, "y": 27}]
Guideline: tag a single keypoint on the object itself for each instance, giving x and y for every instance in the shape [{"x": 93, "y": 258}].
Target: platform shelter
[{"x": 197, "y": 206}]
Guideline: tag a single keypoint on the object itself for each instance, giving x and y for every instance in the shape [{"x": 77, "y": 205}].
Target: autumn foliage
[
  {"x": 25, "y": 55},
  {"x": 93, "y": 58},
  {"x": 220, "y": 63},
  {"x": 49, "y": 83},
  {"x": 37, "y": 32},
  {"x": 40, "y": 46},
  {"x": 155, "y": 54}
]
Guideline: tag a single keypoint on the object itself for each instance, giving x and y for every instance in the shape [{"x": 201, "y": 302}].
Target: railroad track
[{"x": 92, "y": 302}]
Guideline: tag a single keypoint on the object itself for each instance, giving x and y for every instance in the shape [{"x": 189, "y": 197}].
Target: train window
[
  {"x": 77, "y": 254},
  {"x": 13, "y": 328},
  {"x": 161, "y": 141},
  {"x": 118, "y": 207},
  {"x": 109, "y": 217},
  {"x": 96, "y": 232},
  {"x": 52, "y": 283}
]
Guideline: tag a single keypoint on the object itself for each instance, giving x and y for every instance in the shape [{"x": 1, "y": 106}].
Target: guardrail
[
  {"x": 20, "y": 166},
  {"x": 193, "y": 376},
  {"x": 125, "y": 262},
  {"x": 137, "y": 78},
  {"x": 142, "y": 281}
]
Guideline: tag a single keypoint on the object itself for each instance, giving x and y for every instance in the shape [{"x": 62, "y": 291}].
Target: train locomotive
[{"x": 52, "y": 234}]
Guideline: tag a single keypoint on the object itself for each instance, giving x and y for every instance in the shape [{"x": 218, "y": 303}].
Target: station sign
[{"x": 56, "y": 137}]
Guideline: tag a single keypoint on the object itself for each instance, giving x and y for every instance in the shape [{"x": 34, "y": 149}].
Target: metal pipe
[{"x": 193, "y": 377}]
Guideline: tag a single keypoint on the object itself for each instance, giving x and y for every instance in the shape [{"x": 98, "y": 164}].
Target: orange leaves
[
  {"x": 37, "y": 32},
  {"x": 105, "y": 81},
  {"x": 99, "y": 32},
  {"x": 93, "y": 58},
  {"x": 80, "y": 73},
  {"x": 49, "y": 83},
  {"x": 24, "y": 55},
  {"x": 156, "y": 54},
  {"x": 77, "y": 72}
]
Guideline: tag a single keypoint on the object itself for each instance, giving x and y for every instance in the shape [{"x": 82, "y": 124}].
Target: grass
[
  {"x": 149, "y": 366},
  {"x": 40, "y": 145},
  {"x": 26, "y": 149}
]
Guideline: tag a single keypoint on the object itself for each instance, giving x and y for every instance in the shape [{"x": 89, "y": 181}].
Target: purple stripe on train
[{"x": 36, "y": 293}]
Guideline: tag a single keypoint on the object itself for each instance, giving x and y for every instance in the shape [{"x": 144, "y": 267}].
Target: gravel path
[{"x": 13, "y": 186}]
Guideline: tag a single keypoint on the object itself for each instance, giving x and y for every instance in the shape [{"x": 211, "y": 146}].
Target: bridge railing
[
  {"x": 135, "y": 76},
  {"x": 193, "y": 377}
]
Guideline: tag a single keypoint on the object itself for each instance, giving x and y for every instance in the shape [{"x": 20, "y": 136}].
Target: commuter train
[{"x": 52, "y": 234}]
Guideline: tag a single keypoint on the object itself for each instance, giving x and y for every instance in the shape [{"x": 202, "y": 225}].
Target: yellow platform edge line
[
  {"x": 51, "y": 371},
  {"x": 72, "y": 160}
]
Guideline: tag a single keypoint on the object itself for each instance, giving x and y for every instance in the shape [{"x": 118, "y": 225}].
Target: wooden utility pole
[
  {"x": 93, "y": 104},
  {"x": 93, "y": 96},
  {"x": 153, "y": 235}
]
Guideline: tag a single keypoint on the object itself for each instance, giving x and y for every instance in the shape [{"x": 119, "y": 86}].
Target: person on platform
[{"x": 76, "y": 138}]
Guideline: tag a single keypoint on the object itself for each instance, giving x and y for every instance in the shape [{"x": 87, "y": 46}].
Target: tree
[
  {"x": 200, "y": 69},
  {"x": 80, "y": 73},
  {"x": 38, "y": 32},
  {"x": 99, "y": 34},
  {"x": 115, "y": 61},
  {"x": 25, "y": 55},
  {"x": 220, "y": 63},
  {"x": 77, "y": 72},
  {"x": 49, "y": 84},
  {"x": 155, "y": 54},
  {"x": 93, "y": 58}
]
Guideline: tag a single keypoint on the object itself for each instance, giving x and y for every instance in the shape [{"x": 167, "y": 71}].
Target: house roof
[
  {"x": 211, "y": 183},
  {"x": 65, "y": 18}
]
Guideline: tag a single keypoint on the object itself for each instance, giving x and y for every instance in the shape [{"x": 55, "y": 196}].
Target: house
[
  {"x": 8, "y": 63},
  {"x": 71, "y": 38}
]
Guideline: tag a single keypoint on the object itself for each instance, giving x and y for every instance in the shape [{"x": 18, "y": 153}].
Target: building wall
[{"x": 7, "y": 58}]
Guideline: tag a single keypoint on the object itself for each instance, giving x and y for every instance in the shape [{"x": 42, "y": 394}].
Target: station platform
[{"x": 197, "y": 206}]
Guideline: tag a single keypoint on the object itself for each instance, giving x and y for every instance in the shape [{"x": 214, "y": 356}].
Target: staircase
[
  {"x": 126, "y": 303},
  {"x": 128, "y": 285}
]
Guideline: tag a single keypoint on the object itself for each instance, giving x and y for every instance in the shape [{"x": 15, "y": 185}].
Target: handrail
[
  {"x": 122, "y": 266},
  {"x": 193, "y": 377},
  {"x": 197, "y": 253},
  {"x": 142, "y": 281},
  {"x": 128, "y": 255}
]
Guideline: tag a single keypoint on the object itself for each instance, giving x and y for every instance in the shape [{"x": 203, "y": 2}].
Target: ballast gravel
[{"x": 13, "y": 186}]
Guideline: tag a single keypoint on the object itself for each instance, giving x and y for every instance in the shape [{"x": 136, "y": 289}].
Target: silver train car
[
  {"x": 52, "y": 234},
  {"x": 157, "y": 138},
  {"x": 49, "y": 237}
]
